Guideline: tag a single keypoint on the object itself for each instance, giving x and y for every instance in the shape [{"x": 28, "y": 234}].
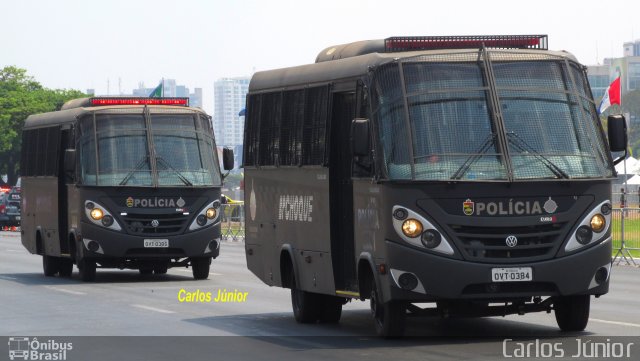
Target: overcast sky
[{"x": 82, "y": 44}]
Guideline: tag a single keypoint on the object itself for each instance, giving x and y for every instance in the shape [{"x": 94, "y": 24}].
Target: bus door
[
  {"x": 66, "y": 141},
  {"x": 341, "y": 191}
]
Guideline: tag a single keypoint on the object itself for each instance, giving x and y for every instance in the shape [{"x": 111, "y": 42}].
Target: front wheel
[
  {"x": 572, "y": 312},
  {"x": 200, "y": 267},
  {"x": 65, "y": 267},
  {"x": 306, "y": 305},
  {"x": 50, "y": 265},
  {"x": 389, "y": 317},
  {"x": 87, "y": 270}
]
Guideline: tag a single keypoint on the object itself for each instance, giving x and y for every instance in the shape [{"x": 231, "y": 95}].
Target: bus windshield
[
  {"x": 168, "y": 149},
  {"x": 545, "y": 127}
]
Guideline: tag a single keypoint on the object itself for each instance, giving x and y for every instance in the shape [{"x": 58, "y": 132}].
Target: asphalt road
[{"x": 124, "y": 303}]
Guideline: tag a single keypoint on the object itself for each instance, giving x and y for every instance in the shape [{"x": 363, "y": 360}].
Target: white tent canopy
[{"x": 633, "y": 166}]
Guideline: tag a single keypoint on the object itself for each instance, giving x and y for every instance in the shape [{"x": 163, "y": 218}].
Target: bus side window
[{"x": 362, "y": 165}]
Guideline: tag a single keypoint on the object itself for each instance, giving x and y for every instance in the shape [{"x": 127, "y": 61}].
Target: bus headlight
[
  {"x": 100, "y": 216},
  {"x": 598, "y": 220},
  {"x": 412, "y": 228},
  {"x": 207, "y": 216},
  {"x": 598, "y": 223},
  {"x": 97, "y": 214},
  {"x": 418, "y": 231}
]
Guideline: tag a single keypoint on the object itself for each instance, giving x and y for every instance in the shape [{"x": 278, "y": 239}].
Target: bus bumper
[
  {"x": 200, "y": 243},
  {"x": 444, "y": 278}
]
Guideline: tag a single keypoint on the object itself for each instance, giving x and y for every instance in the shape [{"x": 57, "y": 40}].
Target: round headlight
[
  {"x": 412, "y": 228},
  {"x": 107, "y": 221},
  {"x": 598, "y": 223},
  {"x": 431, "y": 238},
  {"x": 584, "y": 235},
  {"x": 211, "y": 213},
  {"x": 97, "y": 214},
  {"x": 201, "y": 220}
]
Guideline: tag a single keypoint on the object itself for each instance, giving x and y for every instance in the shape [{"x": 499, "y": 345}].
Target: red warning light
[
  {"x": 409, "y": 43},
  {"x": 140, "y": 101}
]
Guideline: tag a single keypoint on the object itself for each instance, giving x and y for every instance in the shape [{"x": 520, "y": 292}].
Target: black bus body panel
[
  {"x": 289, "y": 214},
  {"x": 458, "y": 276},
  {"x": 467, "y": 272},
  {"x": 161, "y": 204}
]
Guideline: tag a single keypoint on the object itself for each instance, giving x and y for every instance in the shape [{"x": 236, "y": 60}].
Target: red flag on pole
[{"x": 612, "y": 95}]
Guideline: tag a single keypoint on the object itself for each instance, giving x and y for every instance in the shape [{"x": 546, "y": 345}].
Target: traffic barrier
[
  {"x": 233, "y": 222},
  {"x": 625, "y": 233}
]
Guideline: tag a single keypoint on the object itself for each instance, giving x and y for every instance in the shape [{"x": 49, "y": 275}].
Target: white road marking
[
  {"x": 189, "y": 271},
  {"x": 8, "y": 278},
  {"x": 152, "y": 309},
  {"x": 615, "y": 322},
  {"x": 14, "y": 250},
  {"x": 65, "y": 290}
]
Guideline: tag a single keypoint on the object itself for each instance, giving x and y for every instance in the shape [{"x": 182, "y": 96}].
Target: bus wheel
[
  {"x": 331, "y": 309},
  {"x": 306, "y": 305},
  {"x": 50, "y": 265},
  {"x": 161, "y": 269},
  {"x": 389, "y": 317},
  {"x": 572, "y": 312},
  {"x": 87, "y": 270},
  {"x": 145, "y": 271},
  {"x": 66, "y": 267},
  {"x": 200, "y": 267}
]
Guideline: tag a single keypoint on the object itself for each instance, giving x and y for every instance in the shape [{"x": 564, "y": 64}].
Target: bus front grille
[
  {"x": 142, "y": 224},
  {"x": 489, "y": 244}
]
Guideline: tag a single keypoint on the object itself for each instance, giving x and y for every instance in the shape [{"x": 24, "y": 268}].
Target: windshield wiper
[
  {"x": 138, "y": 166},
  {"x": 484, "y": 147},
  {"x": 523, "y": 146},
  {"x": 166, "y": 164}
]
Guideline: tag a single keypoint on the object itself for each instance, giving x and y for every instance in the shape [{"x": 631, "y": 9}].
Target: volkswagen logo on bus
[
  {"x": 511, "y": 241},
  {"x": 155, "y": 223}
]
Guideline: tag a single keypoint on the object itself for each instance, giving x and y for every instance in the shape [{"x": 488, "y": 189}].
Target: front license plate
[
  {"x": 156, "y": 243},
  {"x": 515, "y": 274}
]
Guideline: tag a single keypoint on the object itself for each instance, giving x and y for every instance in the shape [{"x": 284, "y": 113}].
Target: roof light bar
[
  {"x": 409, "y": 43},
  {"x": 139, "y": 101}
]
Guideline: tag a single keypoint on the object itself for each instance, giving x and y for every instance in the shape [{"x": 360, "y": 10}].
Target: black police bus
[
  {"x": 468, "y": 172},
  {"x": 121, "y": 183}
]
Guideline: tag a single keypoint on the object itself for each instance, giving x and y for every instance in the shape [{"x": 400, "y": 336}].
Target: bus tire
[
  {"x": 50, "y": 265},
  {"x": 306, "y": 305},
  {"x": 87, "y": 270},
  {"x": 388, "y": 317},
  {"x": 572, "y": 312},
  {"x": 331, "y": 309},
  {"x": 161, "y": 269},
  {"x": 200, "y": 267},
  {"x": 66, "y": 267},
  {"x": 145, "y": 271}
]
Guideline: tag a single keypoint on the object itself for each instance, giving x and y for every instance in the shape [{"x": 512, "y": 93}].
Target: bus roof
[
  {"x": 75, "y": 108},
  {"x": 355, "y": 66}
]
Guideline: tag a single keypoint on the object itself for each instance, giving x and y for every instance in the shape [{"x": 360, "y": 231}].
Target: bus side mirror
[
  {"x": 70, "y": 163},
  {"x": 617, "y": 129},
  {"x": 360, "y": 137},
  {"x": 227, "y": 159}
]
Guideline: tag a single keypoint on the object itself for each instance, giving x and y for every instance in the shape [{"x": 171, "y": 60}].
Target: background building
[
  {"x": 171, "y": 89},
  {"x": 229, "y": 99},
  {"x": 600, "y": 76}
]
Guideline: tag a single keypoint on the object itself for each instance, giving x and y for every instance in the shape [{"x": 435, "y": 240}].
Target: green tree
[{"x": 21, "y": 96}]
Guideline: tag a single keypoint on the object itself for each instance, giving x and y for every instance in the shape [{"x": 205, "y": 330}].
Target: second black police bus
[
  {"x": 471, "y": 173},
  {"x": 121, "y": 183}
]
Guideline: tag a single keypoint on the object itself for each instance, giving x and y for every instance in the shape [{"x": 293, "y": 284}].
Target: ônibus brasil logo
[{"x": 26, "y": 348}]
